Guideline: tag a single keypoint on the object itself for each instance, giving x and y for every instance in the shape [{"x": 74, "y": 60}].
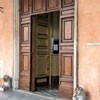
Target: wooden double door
[{"x": 28, "y": 55}]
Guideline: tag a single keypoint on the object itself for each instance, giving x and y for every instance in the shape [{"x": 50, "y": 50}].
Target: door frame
[
  {"x": 15, "y": 78},
  {"x": 33, "y": 67},
  {"x": 15, "y": 73}
]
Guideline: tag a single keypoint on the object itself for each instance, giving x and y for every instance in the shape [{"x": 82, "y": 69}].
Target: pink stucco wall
[
  {"x": 89, "y": 56},
  {"x": 88, "y": 31},
  {"x": 6, "y": 36}
]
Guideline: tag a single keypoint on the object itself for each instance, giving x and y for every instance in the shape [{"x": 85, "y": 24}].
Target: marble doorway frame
[{"x": 15, "y": 78}]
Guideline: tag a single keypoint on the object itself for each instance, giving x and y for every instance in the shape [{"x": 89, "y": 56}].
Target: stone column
[{"x": 15, "y": 79}]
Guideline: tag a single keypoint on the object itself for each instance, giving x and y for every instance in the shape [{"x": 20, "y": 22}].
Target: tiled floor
[
  {"x": 45, "y": 91},
  {"x": 22, "y": 95},
  {"x": 48, "y": 92},
  {"x": 41, "y": 94}
]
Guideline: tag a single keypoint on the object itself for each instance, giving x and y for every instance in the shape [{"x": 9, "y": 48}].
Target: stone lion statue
[
  {"x": 79, "y": 94},
  {"x": 7, "y": 82}
]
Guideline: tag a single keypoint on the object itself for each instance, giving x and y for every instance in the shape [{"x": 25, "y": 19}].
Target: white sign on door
[{"x": 56, "y": 47}]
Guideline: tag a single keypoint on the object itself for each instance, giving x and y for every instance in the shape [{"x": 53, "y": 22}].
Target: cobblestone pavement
[{"x": 22, "y": 95}]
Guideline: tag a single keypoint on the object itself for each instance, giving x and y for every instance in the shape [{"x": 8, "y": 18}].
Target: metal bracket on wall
[{"x": 1, "y": 9}]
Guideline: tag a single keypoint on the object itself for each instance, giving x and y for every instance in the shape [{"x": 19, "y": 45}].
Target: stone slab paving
[{"x": 23, "y": 95}]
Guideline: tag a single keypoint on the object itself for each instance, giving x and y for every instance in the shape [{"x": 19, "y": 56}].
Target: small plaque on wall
[{"x": 93, "y": 43}]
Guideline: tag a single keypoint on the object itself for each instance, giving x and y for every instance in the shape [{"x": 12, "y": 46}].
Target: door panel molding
[
  {"x": 67, "y": 30},
  {"x": 67, "y": 65},
  {"x": 25, "y": 36},
  {"x": 25, "y": 7},
  {"x": 52, "y": 5},
  {"x": 38, "y": 6},
  {"x": 66, "y": 3}
]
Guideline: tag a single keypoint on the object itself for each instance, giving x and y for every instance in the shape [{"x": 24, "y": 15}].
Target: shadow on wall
[
  {"x": 87, "y": 95},
  {"x": 1, "y": 9}
]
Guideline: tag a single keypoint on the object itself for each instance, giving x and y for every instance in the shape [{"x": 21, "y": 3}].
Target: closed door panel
[
  {"x": 66, "y": 54},
  {"x": 24, "y": 73}
]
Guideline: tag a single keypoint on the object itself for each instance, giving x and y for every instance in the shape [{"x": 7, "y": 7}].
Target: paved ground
[{"x": 22, "y": 95}]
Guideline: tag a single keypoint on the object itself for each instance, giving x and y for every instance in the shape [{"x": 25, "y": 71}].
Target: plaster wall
[
  {"x": 6, "y": 37},
  {"x": 89, "y": 47}
]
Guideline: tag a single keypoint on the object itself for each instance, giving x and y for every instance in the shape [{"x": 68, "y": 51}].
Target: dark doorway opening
[{"x": 45, "y": 59}]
